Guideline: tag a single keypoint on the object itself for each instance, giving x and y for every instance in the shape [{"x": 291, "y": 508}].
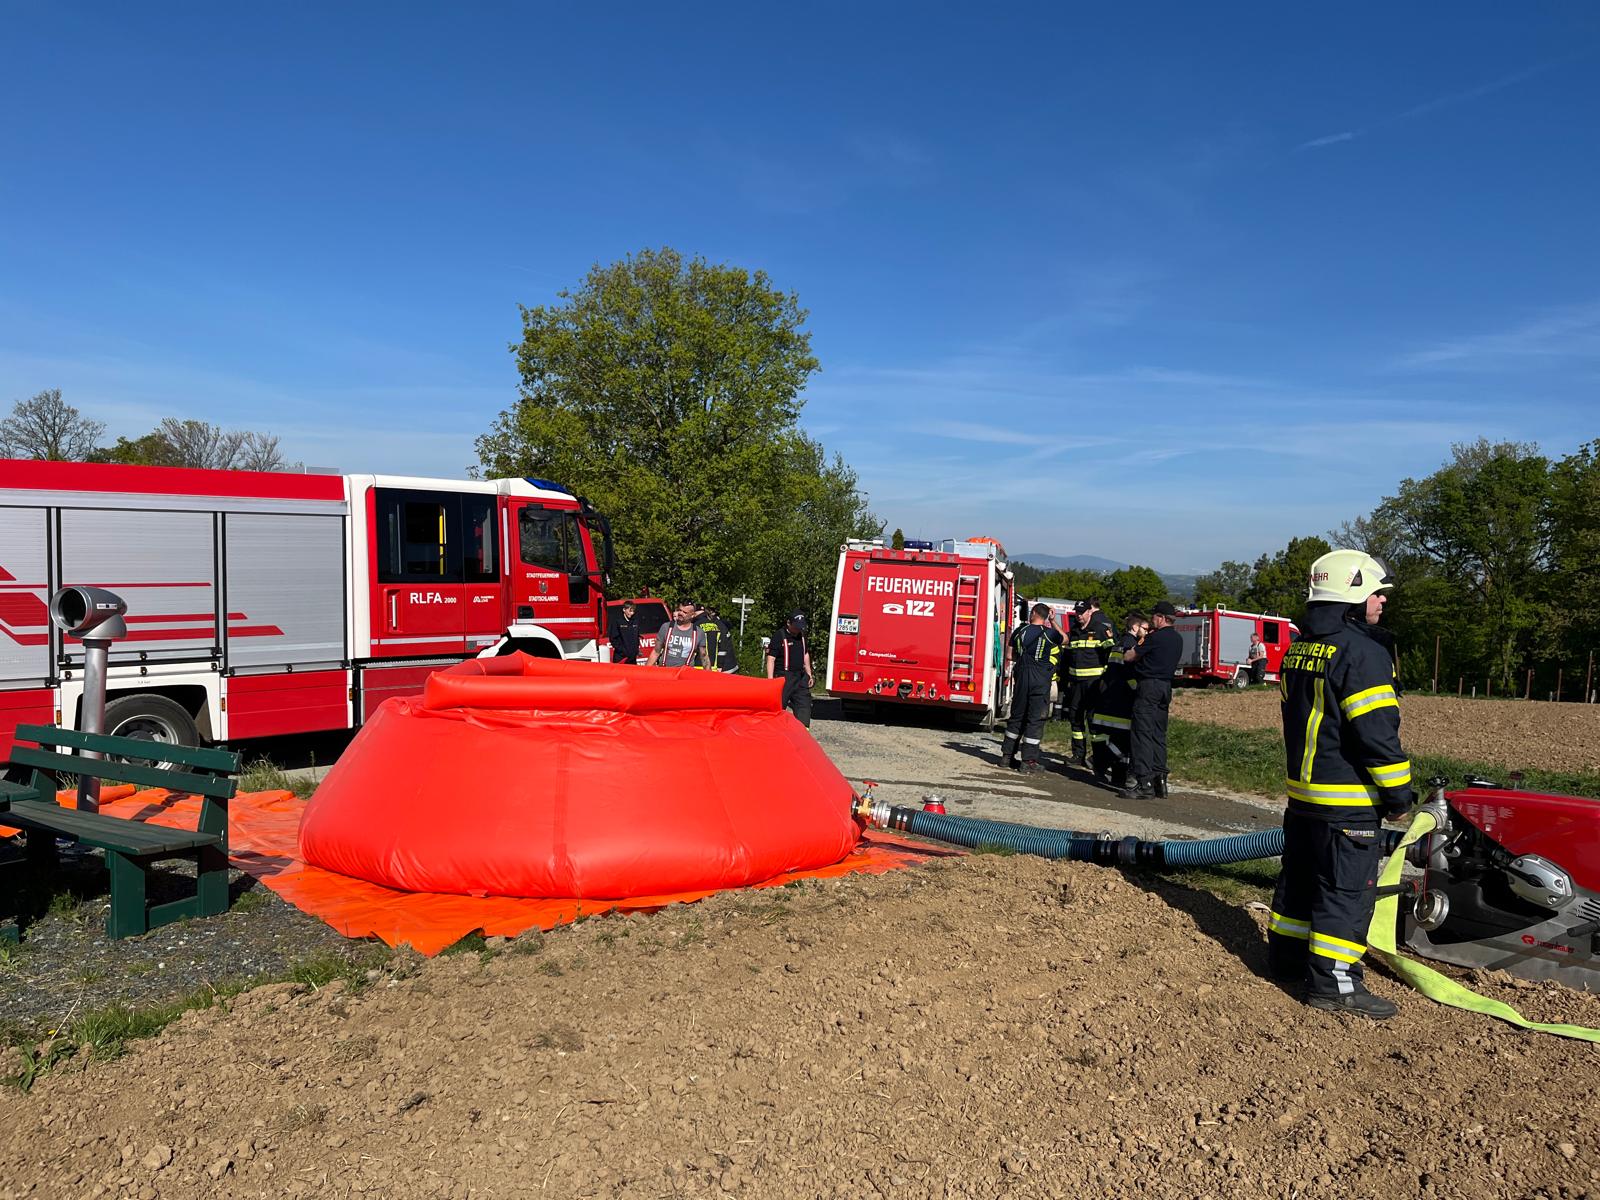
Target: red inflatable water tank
[{"x": 519, "y": 776}]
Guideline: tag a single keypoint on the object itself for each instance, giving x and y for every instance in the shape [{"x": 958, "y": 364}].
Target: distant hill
[
  {"x": 1076, "y": 562},
  {"x": 1181, "y": 587}
]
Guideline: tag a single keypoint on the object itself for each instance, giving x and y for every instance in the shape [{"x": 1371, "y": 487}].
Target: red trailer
[
  {"x": 263, "y": 604},
  {"x": 921, "y": 627},
  {"x": 1216, "y": 644}
]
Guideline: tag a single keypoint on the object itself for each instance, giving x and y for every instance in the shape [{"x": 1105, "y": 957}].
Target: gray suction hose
[{"x": 1077, "y": 846}]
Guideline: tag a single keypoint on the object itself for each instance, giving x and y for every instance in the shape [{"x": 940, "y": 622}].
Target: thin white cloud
[
  {"x": 1569, "y": 333},
  {"x": 1333, "y": 139},
  {"x": 1448, "y": 100}
]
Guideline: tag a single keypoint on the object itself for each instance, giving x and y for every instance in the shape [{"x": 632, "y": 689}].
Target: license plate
[{"x": 849, "y": 624}]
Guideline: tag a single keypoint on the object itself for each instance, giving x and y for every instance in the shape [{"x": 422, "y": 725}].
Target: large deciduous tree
[
  {"x": 1281, "y": 579},
  {"x": 1225, "y": 587},
  {"x": 667, "y": 391},
  {"x": 1480, "y": 525},
  {"x": 46, "y": 427},
  {"x": 190, "y": 443}
]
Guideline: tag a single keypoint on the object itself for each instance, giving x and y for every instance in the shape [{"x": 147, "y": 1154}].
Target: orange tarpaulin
[{"x": 264, "y": 842}]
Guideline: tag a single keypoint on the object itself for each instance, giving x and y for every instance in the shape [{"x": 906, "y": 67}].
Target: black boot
[
  {"x": 1008, "y": 754},
  {"x": 1359, "y": 1004},
  {"x": 1158, "y": 785}
]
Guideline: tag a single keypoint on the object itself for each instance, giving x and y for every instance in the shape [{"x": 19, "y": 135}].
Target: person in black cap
[
  {"x": 789, "y": 657},
  {"x": 1089, "y": 642},
  {"x": 1154, "y": 660}
]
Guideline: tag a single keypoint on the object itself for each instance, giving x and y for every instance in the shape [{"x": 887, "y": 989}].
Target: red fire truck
[
  {"x": 264, "y": 604},
  {"x": 921, "y": 627},
  {"x": 1216, "y": 644}
]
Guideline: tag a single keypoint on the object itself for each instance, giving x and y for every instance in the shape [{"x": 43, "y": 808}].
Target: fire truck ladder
[{"x": 964, "y": 635}]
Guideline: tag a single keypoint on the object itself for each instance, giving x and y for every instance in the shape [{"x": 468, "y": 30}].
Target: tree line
[
  {"x": 45, "y": 427},
  {"x": 1496, "y": 556}
]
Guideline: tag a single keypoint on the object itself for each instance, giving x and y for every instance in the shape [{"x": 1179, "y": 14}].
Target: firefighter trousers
[
  {"x": 1111, "y": 749},
  {"x": 1322, "y": 907},
  {"x": 797, "y": 697},
  {"x": 1080, "y": 696},
  {"x": 1150, "y": 704},
  {"x": 1030, "y": 704}
]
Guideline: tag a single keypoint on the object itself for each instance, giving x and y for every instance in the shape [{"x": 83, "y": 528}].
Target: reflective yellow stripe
[
  {"x": 1313, "y": 724},
  {"x": 1288, "y": 926},
  {"x": 1086, "y": 672},
  {"x": 1338, "y": 795},
  {"x": 1391, "y": 774},
  {"x": 1112, "y": 722},
  {"x": 1371, "y": 693},
  {"x": 1333, "y": 952},
  {"x": 1345, "y": 943},
  {"x": 1371, "y": 705}
]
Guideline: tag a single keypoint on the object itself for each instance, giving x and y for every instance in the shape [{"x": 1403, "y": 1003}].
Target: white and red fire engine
[
  {"x": 921, "y": 627},
  {"x": 266, "y": 604},
  {"x": 1216, "y": 644}
]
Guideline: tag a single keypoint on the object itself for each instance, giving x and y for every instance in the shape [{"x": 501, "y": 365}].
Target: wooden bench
[{"x": 131, "y": 847}]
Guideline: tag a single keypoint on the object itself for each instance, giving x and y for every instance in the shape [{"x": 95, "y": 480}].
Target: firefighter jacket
[
  {"x": 1341, "y": 723},
  {"x": 1088, "y": 647},
  {"x": 1113, "y": 702},
  {"x": 716, "y": 637},
  {"x": 1035, "y": 649}
]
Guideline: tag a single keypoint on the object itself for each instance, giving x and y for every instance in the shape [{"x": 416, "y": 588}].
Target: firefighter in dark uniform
[
  {"x": 789, "y": 659},
  {"x": 625, "y": 633},
  {"x": 1089, "y": 641},
  {"x": 1346, "y": 772},
  {"x": 716, "y": 636},
  {"x": 1154, "y": 660},
  {"x": 1035, "y": 650},
  {"x": 1111, "y": 714}
]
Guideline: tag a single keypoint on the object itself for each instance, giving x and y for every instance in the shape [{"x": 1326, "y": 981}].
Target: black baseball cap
[
  {"x": 1082, "y": 606},
  {"x": 1164, "y": 607},
  {"x": 798, "y": 620}
]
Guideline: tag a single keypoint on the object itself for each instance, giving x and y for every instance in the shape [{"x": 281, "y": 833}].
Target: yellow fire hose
[{"x": 1380, "y": 941}]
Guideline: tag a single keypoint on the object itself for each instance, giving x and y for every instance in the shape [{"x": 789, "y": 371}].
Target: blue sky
[{"x": 1168, "y": 284}]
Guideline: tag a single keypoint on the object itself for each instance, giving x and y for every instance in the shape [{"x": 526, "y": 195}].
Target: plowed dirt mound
[
  {"x": 986, "y": 1027},
  {"x": 1508, "y": 733}
]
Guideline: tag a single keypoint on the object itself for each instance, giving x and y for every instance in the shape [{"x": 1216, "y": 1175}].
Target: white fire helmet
[{"x": 1347, "y": 576}]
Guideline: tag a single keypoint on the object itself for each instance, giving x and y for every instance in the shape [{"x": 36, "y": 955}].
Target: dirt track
[
  {"x": 988, "y": 1027},
  {"x": 1507, "y": 733}
]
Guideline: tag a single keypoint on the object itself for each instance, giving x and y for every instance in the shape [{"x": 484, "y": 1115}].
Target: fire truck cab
[
  {"x": 266, "y": 604},
  {"x": 922, "y": 628}
]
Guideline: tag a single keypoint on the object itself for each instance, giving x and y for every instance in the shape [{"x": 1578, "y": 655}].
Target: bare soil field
[
  {"x": 1508, "y": 733},
  {"x": 983, "y": 1027}
]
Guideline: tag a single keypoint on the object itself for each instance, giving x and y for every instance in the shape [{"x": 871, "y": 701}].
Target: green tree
[
  {"x": 1482, "y": 524},
  {"x": 46, "y": 427},
  {"x": 190, "y": 443},
  {"x": 1225, "y": 587},
  {"x": 1131, "y": 590},
  {"x": 667, "y": 391},
  {"x": 898, "y": 541},
  {"x": 1574, "y": 586},
  {"x": 1073, "y": 583},
  {"x": 1281, "y": 579}
]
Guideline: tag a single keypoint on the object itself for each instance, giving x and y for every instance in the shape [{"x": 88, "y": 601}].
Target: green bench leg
[
  {"x": 211, "y": 881},
  {"x": 129, "y": 913}
]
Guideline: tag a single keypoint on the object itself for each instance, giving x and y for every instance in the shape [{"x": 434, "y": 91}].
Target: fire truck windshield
[{"x": 550, "y": 538}]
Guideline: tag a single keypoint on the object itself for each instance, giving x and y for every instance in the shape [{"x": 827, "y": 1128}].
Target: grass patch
[
  {"x": 1252, "y": 761},
  {"x": 473, "y": 943},
  {"x": 256, "y": 899},
  {"x": 105, "y": 1032},
  {"x": 1235, "y": 883},
  {"x": 264, "y": 775}
]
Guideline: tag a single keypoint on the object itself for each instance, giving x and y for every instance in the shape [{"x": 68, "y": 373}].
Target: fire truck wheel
[
  {"x": 1241, "y": 679},
  {"x": 152, "y": 718}
]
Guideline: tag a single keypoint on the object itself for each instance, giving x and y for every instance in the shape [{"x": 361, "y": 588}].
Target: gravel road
[{"x": 916, "y": 752}]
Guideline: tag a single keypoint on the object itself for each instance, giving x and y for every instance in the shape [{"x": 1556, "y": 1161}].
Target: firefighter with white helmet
[{"x": 1346, "y": 772}]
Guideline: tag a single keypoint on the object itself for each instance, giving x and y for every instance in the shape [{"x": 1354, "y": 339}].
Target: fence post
[
  {"x": 1437, "y": 638},
  {"x": 1558, "y": 683},
  {"x": 1488, "y": 688},
  {"x": 1461, "y": 685},
  {"x": 1588, "y": 680},
  {"x": 1527, "y": 688}
]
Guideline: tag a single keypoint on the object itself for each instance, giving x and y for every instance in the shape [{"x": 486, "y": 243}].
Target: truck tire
[
  {"x": 1241, "y": 679},
  {"x": 151, "y": 718}
]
